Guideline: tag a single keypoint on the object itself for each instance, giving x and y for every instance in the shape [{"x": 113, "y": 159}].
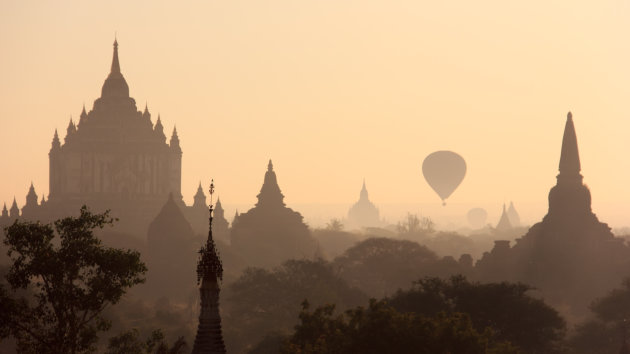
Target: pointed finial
[
  {"x": 146, "y": 108},
  {"x": 211, "y": 188},
  {"x": 115, "y": 63},
  {"x": 270, "y": 166},
  {"x": 569, "y": 155},
  {"x": 55, "y": 142},
  {"x": 158, "y": 125},
  {"x": 83, "y": 112}
]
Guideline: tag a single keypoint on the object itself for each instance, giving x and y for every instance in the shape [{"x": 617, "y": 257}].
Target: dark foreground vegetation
[
  {"x": 64, "y": 291},
  {"x": 61, "y": 281}
]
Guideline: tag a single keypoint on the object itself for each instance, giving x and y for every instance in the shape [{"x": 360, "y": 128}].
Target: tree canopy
[
  {"x": 380, "y": 266},
  {"x": 382, "y": 329},
  {"x": 505, "y": 308},
  {"x": 60, "y": 280},
  {"x": 262, "y": 301},
  {"x": 608, "y": 330}
]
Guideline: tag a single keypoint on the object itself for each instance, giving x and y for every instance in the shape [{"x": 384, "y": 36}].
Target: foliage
[
  {"x": 380, "y": 266},
  {"x": 415, "y": 225},
  {"x": 605, "y": 333},
  {"x": 129, "y": 343},
  {"x": 262, "y": 301},
  {"x": 334, "y": 243},
  {"x": 71, "y": 277},
  {"x": 382, "y": 329},
  {"x": 334, "y": 225},
  {"x": 506, "y": 308}
]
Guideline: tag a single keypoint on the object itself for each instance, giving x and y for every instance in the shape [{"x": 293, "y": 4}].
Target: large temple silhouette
[
  {"x": 114, "y": 158},
  {"x": 270, "y": 232},
  {"x": 570, "y": 255}
]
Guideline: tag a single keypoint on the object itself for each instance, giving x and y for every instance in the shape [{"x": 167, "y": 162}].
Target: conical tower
[
  {"x": 504, "y": 222},
  {"x": 363, "y": 213},
  {"x": 569, "y": 198},
  {"x": 270, "y": 232},
  {"x": 515, "y": 219},
  {"x": 209, "y": 337},
  {"x": 14, "y": 212},
  {"x": 270, "y": 193},
  {"x": 570, "y": 256},
  {"x": 115, "y": 85},
  {"x": 363, "y": 196},
  {"x": 199, "y": 198}
]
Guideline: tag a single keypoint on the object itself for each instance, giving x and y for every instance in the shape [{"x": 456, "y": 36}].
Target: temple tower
[
  {"x": 504, "y": 222},
  {"x": 363, "y": 213},
  {"x": 570, "y": 256},
  {"x": 515, "y": 219},
  {"x": 270, "y": 232},
  {"x": 209, "y": 338}
]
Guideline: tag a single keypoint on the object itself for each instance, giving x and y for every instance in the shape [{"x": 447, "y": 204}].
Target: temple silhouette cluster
[{"x": 116, "y": 157}]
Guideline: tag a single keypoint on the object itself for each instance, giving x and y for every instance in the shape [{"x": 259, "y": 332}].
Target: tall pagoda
[{"x": 209, "y": 337}]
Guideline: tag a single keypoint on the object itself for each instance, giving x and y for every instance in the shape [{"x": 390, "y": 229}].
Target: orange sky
[{"x": 335, "y": 91}]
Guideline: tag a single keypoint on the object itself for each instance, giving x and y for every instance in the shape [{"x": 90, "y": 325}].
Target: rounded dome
[{"x": 115, "y": 86}]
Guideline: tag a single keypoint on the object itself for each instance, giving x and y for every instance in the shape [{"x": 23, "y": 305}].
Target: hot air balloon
[
  {"x": 477, "y": 217},
  {"x": 444, "y": 171}
]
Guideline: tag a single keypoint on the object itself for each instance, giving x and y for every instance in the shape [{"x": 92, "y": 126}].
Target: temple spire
[
  {"x": 55, "y": 143},
  {"x": 209, "y": 338},
  {"x": 115, "y": 63},
  {"x": 364, "y": 192},
  {"x": 504, "y": 222},
  {"x": 174, "y": 143},
  {"x": 115, "y": 85},
  {"x": 270, "y": 193},
  {"x": 199, "y": 198},
  {"x": 569, "y": 157}
]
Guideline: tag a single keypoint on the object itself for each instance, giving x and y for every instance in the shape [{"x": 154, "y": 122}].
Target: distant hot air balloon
[
  {"x": 444, "y": 171},
  {"x": 477, "y": 217}
]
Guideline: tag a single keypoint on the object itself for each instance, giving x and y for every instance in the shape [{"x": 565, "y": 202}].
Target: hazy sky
[{"x": 335, "y": 91}]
